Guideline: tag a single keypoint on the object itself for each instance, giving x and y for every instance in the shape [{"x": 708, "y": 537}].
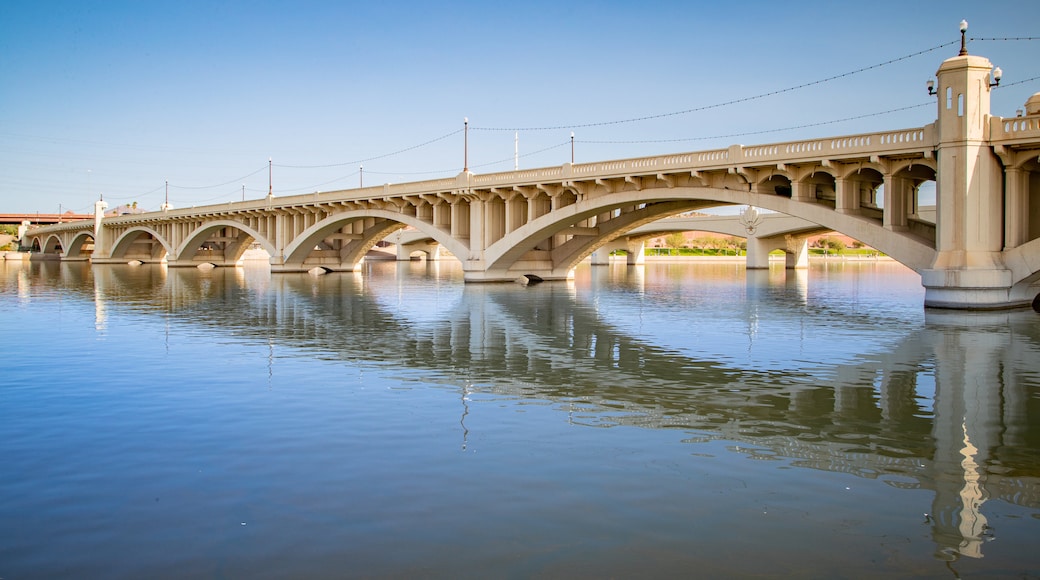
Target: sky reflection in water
[{"x": 636, "y": 421}]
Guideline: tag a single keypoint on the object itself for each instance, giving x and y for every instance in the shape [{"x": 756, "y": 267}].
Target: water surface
[{"x": 655, "y": 421}]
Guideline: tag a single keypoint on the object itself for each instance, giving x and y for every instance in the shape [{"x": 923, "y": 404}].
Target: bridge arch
[
  {"x": 375, "y": 224},
  {"x": 778, "y": 182},
  {"x": 75, "y": 249},
  {"x": 505, "y": 258},
  {"x": 232, "y": 251},
  {"x": 157, "y": 246},
  {"x": 52, "y": 245}
]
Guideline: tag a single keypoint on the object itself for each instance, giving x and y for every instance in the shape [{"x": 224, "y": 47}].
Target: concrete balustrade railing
[{"x": 1014, "y": 128}]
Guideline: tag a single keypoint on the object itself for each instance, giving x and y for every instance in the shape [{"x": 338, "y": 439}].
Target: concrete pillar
[
  {"x": 433, "y": 254},
  {"x": 968, "y": 271},
  {"x": 404, "y": 254},
  {"x": 478, "y": 241},
  {"x": 846, "y": 198},
  {"x": 442, "y": 215},
  {"x": 803, "y": 191},
  {"x": 24, "y": 227},
  {"x": 797, "y": 254},
  {"x": 1016, "y": 207},
  {"x": 601, "y": 256},
  {"x": 101, "y": 248},
  {"x": 516, "y": 212},
  {"x": 460, "y": 216},
  {"x": 283, "y": 233},
  {"x": 757, "y": 253},
  {"x": 494, "y": 220},
  {"x": 636, "y": 253},
  {"x": 898, "y": 194}
]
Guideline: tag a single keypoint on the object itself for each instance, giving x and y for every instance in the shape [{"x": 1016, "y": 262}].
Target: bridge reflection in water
[{"x": 949, "y": 405}]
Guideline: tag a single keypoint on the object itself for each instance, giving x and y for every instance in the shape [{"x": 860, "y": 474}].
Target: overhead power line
[
  {"x": 722, "y": 104},
  {"x": 219, "y": 184},
  {"x": 766, "y": 131},
  {"x": 384, "y": 156}
]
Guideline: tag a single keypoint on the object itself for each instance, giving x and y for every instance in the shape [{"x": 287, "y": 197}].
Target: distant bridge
[
  {"x": 981, "y": 251},
  {"x": 18, "y": 219}
]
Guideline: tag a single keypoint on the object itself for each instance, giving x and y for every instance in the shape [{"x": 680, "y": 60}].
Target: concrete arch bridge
[{"x": 981, "y": 251}]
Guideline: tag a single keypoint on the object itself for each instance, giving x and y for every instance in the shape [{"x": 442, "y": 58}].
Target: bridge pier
[
  {"x": 796, "y": 251},
  {"x": 968, "y": 271},
  {"x": 432, "y": 251},
  {"x": 758, "y": 250},
  {"x": 797, "y": 255}
]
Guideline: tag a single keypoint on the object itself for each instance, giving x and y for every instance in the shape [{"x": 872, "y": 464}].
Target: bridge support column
[
  {"x": 797, "y": 254},
  {"x": 404, "y": 254},
  {"x": 758, "y": 253},
  {"x": 968, "y": 271},
  {"x": 601, "y": 256},
  {"x": 24, "y": 227},
  {"x": 1016, "y": 207},
  {"x": 101, "y": 241},
  {"x": 636, "y": 253},
  {"x": 898, "y": 196},
  {"x": 846, "y": 195}
]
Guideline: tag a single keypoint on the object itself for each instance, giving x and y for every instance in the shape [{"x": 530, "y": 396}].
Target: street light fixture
[{"x": 964, "y": 46}]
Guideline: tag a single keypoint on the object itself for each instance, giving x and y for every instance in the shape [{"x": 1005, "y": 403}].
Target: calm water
[{"x": 662, "y": 421}]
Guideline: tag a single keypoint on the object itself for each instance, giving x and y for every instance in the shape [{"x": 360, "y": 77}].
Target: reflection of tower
[
  {"x": 973, "y": 523},
  {"x": 465, "y": 411},
  {"x": 969, "y": 393},
  {"x": 798, "y": 281},
  {"x": 270, "y": 361},
  {"x": 100, "y": 318},
  {"x": 756, "y": 288},
  {"x": 24, "y": 286}
]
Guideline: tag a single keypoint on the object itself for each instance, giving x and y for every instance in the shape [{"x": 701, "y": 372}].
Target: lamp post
[
  {"x": 572, "y": 147},
  {"x": 270, "y": 177},
  {"x": 964, "y": 46},
  {"x": 465, "y": 144},
  {"x": 997, "y": 73}
]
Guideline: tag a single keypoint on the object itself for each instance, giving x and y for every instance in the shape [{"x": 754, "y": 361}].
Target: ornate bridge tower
[{"x": 969, "y": 269}]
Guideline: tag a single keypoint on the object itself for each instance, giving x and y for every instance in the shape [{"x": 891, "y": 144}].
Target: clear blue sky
[{"x": 115, "y": 98}]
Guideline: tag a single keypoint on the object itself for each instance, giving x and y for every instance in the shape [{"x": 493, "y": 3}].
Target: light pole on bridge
[
  {"x": 964, "y": 46},
  {"x": 270, "y": 177}
]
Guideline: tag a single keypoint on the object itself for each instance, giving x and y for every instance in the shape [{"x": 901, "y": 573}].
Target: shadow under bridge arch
[
  {"x": 340, "y": 241},
  {"x": 552, "y": 245},
  {"x": 140, "y": 243},
  {"x": 219, "y": 242}
]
